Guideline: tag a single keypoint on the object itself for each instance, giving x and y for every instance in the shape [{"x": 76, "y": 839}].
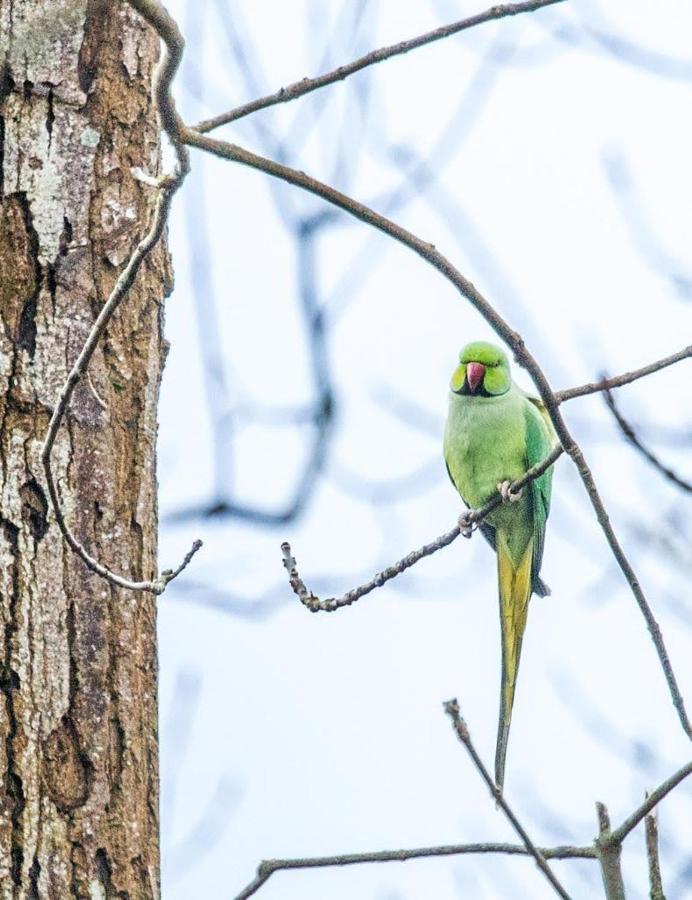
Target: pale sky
[{"x": 291, "y": 734}]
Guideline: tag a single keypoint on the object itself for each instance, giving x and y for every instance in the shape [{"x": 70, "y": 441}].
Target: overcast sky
[{"x": 547, "y": 156}]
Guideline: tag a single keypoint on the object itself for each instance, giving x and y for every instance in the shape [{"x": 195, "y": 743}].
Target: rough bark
[{"x": 78, "y": 727}]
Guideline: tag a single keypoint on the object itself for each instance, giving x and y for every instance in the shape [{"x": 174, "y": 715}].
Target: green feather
[{"x": 539, "y": 443}]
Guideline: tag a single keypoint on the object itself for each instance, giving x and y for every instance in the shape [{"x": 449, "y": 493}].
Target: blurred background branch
[{"x": 630, "y": 434}]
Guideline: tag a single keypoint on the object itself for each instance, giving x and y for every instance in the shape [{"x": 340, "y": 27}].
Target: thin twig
[
  {"x": 617, "y": 381},
  {"x": 167, "y": 29},
  {"x": 652, "y": 800},
  {"x": 609, "y": 852},
  {"x": 465, "y": 526},
  {"x": 269, "y": 866},
  {"x": 308, "y": 85},
  {"x": 168, "y": 185},
  {"x": 632, "y": 436},
  {"x": 451, "y": 707},
  {"x": 655, "y": 880}
]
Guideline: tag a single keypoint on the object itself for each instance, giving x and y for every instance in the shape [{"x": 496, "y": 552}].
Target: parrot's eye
[{"x": 458, "y": 378}]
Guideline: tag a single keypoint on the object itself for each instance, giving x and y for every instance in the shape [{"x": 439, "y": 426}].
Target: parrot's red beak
[{"x": 475, "y": 373}]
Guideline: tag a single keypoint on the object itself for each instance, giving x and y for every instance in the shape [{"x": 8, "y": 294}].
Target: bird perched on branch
[{"x": 495, "y": 432}]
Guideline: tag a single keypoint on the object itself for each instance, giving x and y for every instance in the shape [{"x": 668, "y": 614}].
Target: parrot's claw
[
  {"x": 465, "y": 527},
  {"x": 508, "y": 496}
]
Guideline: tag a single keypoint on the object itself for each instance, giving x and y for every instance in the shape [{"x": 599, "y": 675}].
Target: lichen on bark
[{"x": 78, "y": 666}]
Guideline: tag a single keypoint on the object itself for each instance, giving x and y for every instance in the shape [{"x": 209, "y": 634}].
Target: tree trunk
[{"x": 78, "y": 665}]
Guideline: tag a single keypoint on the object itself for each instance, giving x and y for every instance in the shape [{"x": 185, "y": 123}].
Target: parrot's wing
[
  {"x": 486, "y": 529},
  {"x": 538, "y": 446},
  {"x": 449, "y": 472},
  {"x": 545, "y": 415}
]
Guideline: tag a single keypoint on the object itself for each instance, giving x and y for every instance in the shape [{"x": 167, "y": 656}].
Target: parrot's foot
[
  {"x": 507, "y": 495},
  {"x": 465, "y": 527}
]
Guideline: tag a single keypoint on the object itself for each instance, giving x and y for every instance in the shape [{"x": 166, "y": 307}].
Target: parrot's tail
[{"x": 515, "y": 591}]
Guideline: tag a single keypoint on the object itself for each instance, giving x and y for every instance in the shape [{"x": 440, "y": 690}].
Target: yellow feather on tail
[{"x": 515, "y": 592}]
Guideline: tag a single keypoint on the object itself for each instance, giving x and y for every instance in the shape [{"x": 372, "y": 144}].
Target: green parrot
[{"x": 494, "y": 433}]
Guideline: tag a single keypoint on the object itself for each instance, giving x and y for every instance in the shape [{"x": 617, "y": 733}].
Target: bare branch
[
  {"x": 465, "y": 526},
  {"x": 655, "y": 881},
  {"x": 644, "y": 232},
  {"x": 631, "y": 578},
  {"x": 606, "y": 849},
  {"x": 651, "y": 801},
  {"x": 269, "y": 866},
  {"x": 451, "y": 707},
  {"x": 631, "y": 435},
  {"x": 605, "y": 35},
  {"x": 308, "y": 85},
  {"x": 609, "y": 852},
  {"x": 618, "y": 380},
  {"x": 313, "y": 602}
]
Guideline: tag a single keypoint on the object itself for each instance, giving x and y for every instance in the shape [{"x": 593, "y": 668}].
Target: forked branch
[
  {"x": 604, "y": 384},
  {"x": 651, "y": 802},
  {"x": 609, "y": 842},
  {"x": 269, "y": 867},
  {"x": 609, "y": 852},
  {"x": 451, "y": 707},
  {"x": 631, "y": 435}
]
